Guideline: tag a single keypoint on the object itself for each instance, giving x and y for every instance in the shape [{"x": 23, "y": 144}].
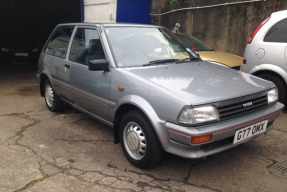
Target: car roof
[
  {"x": 281, "y": 14},
  {"x": 109, "y": 24}
]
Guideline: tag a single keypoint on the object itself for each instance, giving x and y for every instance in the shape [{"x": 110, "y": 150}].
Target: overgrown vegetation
[{"x": 175, "y": 2}]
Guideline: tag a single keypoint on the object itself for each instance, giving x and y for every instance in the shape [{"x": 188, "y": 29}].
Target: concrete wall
[
  {"x": 224, "y": 28},
  {"x": 100, "y": 11}
]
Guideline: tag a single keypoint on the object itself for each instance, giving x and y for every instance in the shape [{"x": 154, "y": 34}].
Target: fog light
[{"x": 201, "y": 139}]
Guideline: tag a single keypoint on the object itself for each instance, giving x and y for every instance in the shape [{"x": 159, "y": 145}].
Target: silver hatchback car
[
  {"x": 156, "y": 94},
  {"x": 266, "y": 52}
]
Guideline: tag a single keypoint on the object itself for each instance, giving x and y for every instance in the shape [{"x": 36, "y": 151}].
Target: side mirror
[{"x": 99, "y": 65}]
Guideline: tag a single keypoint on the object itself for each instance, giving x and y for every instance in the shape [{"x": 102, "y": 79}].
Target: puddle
[{"x": 27, "y": 91}]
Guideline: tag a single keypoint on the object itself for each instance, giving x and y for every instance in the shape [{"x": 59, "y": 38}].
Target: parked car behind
[
  {"x": 266, "y": 52},
  {"x": 19, "y": 53},
  {"x": 156, "y": 94},
  {"x": 206, "y": 53}
]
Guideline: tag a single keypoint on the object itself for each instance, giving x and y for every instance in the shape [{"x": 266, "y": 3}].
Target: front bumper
[{"x": 180, "y": 137}]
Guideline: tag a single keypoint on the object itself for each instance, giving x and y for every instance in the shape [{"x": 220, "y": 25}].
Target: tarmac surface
[{"x": 69, "y": 151}]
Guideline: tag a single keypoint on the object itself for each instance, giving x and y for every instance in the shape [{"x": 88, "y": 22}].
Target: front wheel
[{"x": 139, "y": 140}]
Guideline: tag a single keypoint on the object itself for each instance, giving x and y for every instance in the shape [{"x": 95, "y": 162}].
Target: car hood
[
  {"x": 201, "y": 82},
  {"x": 227, "y": 59}
]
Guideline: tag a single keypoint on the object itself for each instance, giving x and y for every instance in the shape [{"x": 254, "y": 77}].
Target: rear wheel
[
  {"x": 54, "y": 103},
  {"x": 139, "y": 140},
  {"x": 281, "y": 86}
]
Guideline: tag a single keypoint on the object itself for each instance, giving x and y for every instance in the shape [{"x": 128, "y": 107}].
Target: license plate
[
  {"x": 250, "y": 131},
  {"x": 21, "y": 54}
]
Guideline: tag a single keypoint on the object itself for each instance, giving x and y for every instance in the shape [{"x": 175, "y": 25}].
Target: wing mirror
[{"x": 99, "y": 65}]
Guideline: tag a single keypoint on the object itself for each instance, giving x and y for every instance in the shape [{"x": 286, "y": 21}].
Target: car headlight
[
  {"x": 35, "y": 50},
  {"x": 198, "y": 115},
  {"x": 272, "y": 96},
  {"x": 3, "y": 49}
]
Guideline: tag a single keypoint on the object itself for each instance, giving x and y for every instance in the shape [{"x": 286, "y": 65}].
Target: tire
[
  {"x": 53, "y": 102},
  {"x": 281, "y": 86},
  {"x": 139, "y": 140}
]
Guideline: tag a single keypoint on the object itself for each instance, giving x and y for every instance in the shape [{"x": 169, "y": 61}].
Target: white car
[{"x": 266, "y": 52}]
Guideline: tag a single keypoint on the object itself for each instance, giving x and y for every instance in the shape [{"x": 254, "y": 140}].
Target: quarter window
[
  {"x": 86, "y": 46},
  {"x": 277, "y": 33},
  {"x": 59, "y": 41}
]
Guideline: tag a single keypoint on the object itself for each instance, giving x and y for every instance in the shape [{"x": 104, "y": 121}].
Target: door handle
[{"x": 66, "y": 67}]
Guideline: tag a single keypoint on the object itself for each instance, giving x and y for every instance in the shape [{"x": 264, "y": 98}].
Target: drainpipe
[{"x": 208, "y": 6}]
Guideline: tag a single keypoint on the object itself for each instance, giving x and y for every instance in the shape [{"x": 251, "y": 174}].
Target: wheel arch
[
  {"x": 271, "y": 73},
  {"x": 270, "y": 69},
  {"x": 43, "y": 78},
  {"x": 140, "y": 104}
]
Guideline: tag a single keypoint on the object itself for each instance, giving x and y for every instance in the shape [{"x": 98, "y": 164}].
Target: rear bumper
[{"x": 180, "y": 137}]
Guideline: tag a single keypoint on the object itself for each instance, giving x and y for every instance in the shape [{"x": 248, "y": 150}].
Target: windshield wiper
[
  {"x": 161, "y": 61},
  {"x": 187, "y": 60}
]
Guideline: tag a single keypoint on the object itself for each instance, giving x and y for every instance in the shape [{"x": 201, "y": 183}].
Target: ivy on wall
[{"x": 175, "y": 2}]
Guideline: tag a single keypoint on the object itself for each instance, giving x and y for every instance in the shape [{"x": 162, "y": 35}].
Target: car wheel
[
  {"x": 281, "y": 86},
  {"x": 139, "y": 140},
  {"x": 54, "y": 103}
]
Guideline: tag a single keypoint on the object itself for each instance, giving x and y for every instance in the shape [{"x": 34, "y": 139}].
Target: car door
[
  {"x": 55, "y": 56},
  {"x": 89, "y": 90}
]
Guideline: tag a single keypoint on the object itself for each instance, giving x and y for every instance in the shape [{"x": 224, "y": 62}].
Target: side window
[
  {"x": 59, "y": 41},
  {"x": 277, "y": 33},
  {"x": 86, "y": 46}
]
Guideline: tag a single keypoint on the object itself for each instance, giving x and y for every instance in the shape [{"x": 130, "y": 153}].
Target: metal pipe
[
  {"x": 274, "y": 6},
  {"x": 204, "y": 7}
]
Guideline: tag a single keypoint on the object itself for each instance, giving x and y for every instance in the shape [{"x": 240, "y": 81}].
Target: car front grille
[{"x": 242, "y": 106}]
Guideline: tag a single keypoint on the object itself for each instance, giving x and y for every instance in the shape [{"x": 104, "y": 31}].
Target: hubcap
[
  {"x": 49, "y": 95},
  {"x": 134, "y": 140}
]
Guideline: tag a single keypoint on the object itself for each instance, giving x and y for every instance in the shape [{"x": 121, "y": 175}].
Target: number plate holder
[{"x": 250, "y": 131}]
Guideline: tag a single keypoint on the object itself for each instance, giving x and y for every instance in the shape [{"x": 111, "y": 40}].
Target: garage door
[{"x": 134, "y": 11}]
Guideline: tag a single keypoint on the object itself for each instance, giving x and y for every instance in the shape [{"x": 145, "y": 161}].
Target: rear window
[
  {"x": 277, "y": 33},
  {"x": 59, "y": 41}
]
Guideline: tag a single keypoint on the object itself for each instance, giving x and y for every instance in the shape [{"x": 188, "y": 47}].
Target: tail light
[
  {"x": 255, "y": 32},
  {"x": 244, "y": 61}
]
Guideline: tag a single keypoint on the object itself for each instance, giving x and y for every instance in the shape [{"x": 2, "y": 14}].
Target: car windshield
[
  {"x": 193, "y": 43},
  {"x": 143, "y": 46}
]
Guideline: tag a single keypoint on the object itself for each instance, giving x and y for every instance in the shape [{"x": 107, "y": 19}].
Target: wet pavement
[{"x": 69, "y": 151}]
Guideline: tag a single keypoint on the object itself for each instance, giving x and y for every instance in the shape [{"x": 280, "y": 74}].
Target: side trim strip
[{"x": 92, "y": 99}]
